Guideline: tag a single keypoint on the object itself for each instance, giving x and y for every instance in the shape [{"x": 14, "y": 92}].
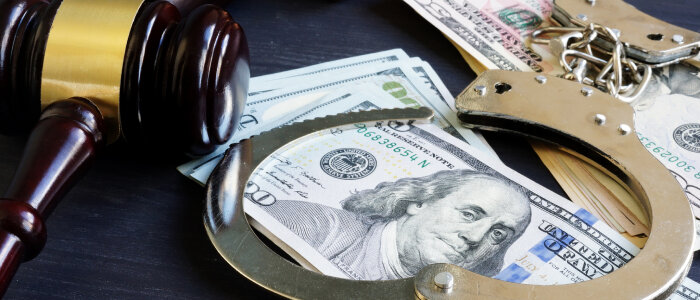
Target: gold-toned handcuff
[{"x": 593, "y": 124}]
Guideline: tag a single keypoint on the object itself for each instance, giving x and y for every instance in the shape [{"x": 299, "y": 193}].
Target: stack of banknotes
[
  {"x": 387, "y": 79},
  {"x": 495, "y": 34},
  {"x": 381, "y": 201}
]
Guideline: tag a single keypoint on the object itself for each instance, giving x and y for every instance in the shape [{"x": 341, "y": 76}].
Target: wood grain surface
[{"x": 132, "y": 229}]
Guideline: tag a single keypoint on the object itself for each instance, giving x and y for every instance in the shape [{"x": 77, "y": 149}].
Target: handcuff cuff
[{"x": 593, "y": 124}]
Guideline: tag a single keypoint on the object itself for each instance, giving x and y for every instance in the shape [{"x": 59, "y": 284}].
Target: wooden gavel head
[
  {"x": 101, "y": 69},
  {"x": 155, "y": 77}
]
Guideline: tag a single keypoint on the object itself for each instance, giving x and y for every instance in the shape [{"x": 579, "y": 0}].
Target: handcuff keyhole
[
  {"x": 655, "y": 36},
  {"x": 502, "y": 87}
]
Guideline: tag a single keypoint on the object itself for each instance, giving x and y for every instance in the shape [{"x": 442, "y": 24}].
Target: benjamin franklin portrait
[{"x": 461, "y": 217}]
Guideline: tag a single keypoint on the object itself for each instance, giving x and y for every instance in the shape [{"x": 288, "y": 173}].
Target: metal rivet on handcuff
[
  {"x": 624, "y": 129},
  {"x": 480, "y": 89},
  {"x": 667, "y": 254},
  {"x": 444, "y": 280},
  {"x": 599, "y": 119},
  {"x": 587, "y": 91},
  {"x": 677, "y": 38}
]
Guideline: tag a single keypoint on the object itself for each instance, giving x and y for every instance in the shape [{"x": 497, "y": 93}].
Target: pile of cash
[
  {"x": 381, "y": 201},
  {"x": 496, "y": 34},
  {"x": 596, "y": 192}
]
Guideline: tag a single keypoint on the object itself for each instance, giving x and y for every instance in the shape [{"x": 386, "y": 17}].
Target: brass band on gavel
[{"x": 85, "y": 54}]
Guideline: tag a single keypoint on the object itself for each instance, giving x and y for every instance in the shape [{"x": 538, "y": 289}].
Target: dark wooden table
[{"x": 133, "y": 227}]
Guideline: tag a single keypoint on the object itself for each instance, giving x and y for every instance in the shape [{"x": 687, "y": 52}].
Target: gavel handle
[{"x": 60, "y": 147}]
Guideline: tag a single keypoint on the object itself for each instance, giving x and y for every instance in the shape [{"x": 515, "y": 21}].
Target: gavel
[{"x": 84, "y": 73}]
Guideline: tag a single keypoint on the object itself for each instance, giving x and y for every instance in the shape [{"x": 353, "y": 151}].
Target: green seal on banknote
[{"x": 522, "y": 19}]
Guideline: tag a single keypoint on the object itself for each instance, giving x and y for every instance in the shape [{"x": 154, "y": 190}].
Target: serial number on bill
[
  {"x": 390, "y": 144},
  {"x": 667, "y": 156}
]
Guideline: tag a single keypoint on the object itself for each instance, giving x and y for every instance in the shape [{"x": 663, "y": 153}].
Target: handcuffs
[{"x": 598, "y": 127}]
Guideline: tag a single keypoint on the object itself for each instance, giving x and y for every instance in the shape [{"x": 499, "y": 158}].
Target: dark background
[{"x": 133, "y": 227}]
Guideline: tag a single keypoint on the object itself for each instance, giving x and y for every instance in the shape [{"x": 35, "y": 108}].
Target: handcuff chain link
[{"x": 610, "y": 71}]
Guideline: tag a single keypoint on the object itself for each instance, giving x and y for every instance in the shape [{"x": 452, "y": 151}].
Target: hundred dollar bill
[
  {"x": 316, "y": 74},
  {"x": 356, "y": 98},
  {"x": 428, "y": 75},
  {"x": 381, "y": 201},
  {"x": 271, "y": 82},
  {"x": 336, "y": 65},
  {"x": 429, "y": 78},
  {"x": 667, "y": 124},
  {"x": 398, "y": 80}
]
